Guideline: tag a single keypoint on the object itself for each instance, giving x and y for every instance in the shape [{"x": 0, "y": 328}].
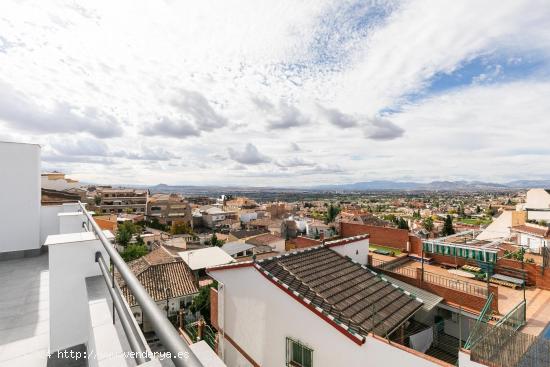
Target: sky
[{"x": 279, "y": 93}]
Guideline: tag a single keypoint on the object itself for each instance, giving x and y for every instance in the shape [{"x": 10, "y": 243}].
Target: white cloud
[
  {"x": 317, "y": 82},
  {"x": 250, "y": 155}
]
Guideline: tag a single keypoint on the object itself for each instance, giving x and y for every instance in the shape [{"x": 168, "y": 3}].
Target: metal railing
[
  {"x": 406, "y": 271},
  {"x": 429, "y": 277},
  {"x": 452, "y": 283},
  {"x": 516, "y": 317},
  {"x": 181, "y": 354}
]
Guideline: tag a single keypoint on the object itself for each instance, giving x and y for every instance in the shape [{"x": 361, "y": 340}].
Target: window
[{"x": 297, "y": 354}]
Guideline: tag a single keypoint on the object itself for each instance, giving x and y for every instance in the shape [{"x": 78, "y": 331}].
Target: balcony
[{"x": 59, "y": 305}]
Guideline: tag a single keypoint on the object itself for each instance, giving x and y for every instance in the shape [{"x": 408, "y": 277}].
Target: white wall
[
  {"x": 279, "y": 246},
  {"x": 49, "y": 221},
  {"x": 247, "y": 217},
  {"x": 20, "y": 197},
  {"x": 531, "y": 242},
  {"x": 259, "y": 316},
  {"x": 464, "y": 360},
  {"x": 499, "y": 228},
  {"x": 358, "y": 251},
  {"x": 537, "y": 199},
  {"x": 71, "y": 222},
  {"x": 70, "y": 263}
]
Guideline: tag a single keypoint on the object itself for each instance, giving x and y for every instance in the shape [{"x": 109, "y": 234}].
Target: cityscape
[{"x": 261, "y": 183}]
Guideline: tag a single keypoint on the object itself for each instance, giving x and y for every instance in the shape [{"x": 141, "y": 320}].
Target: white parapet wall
[
  {"x": 20, "y": 197},
  {"x": 71, "y": 261}
]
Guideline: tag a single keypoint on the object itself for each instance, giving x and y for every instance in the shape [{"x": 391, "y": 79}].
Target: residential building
[
  {"x": 537, "y": 204},
  {"x": 318, "y": 229},
  {"x": 267, "y": 242},
  {"x": 216, "y": 218},
  {"x": 532, "y": 237},
  {"x": 501, "y": 226},
  {"x": 169, "y": 209},
  {"x": 238, "y": 249},
  {"x": 247, "y": 216},
  {"x": 312, "y": 308},
  {"x": 241, "y": 235},
  {"x": 239, "y": 203},
  {"x": 360, "y": 217},
  {"x": 167, "y": 279},
  {"x": 55, "y": 197},
  {"x": 57, "y": 181},
  {"x": 200, "y": 259},
  {"x": 122, "y": 200},
  {"x": 277, "y": 210}
]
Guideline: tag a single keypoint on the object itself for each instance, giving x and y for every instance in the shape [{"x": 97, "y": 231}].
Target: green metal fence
[
  {"x": 515, "y": 318},
  {"x": 208, "y": 334},
  {"x": 476, "y": 334}
]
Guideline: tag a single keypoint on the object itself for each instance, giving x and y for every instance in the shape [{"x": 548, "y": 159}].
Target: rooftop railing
[
  {"x": 429, "y": 277},
  {"x": 179, "y": 351}
]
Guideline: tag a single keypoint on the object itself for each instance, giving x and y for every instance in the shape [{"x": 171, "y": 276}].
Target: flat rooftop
[{"x": 24, "y": 312}]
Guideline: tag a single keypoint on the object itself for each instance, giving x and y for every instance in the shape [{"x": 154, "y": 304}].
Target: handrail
[
  {"x": 458, "y": 284},
  {"x": 135, "y": 344},
  {"x": 181, "y": 354}
]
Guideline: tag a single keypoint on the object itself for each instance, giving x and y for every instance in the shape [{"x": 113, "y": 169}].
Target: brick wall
[
  {"x": 534, "y": 272},
  {"x": 450, "y": 295},
  {"x": 415, "y": 245},
  {"x": 214, "y": 307},
  {"x": 384, "y": 236}
]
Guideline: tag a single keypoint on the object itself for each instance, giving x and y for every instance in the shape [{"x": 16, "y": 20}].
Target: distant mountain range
[
  {"x": 379, "y": 185},
  {"x": 435, "y": 186}
]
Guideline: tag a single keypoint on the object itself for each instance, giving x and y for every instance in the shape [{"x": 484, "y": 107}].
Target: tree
[
  {"x": 97, "y": 200},
  {"x": 428, "y": 224},
  {"x": 214, "y": 241},
  {"x": 332, "y": 212},
  {"x": 460, "y": 210},
  {"x": 180, "y": 228},
  {"x": 491, "y": 211},
  {"x": 125, "y": 232},
  {"x": 448, "y": 227},
  {"x": 402, "y": 224},
  {"x": 201, "y": 302},
  {"x": 134, "y": 251}
]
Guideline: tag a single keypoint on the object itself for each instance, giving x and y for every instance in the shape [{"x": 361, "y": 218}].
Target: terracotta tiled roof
[
  {"x": 245, "y": 234},
  {"x": 175, "y": 275},
  {"x": 541, "y": 232},
  {"x": 342, "y": 289},
  {"x": 160, "y": 255},
  {"x": 264, "y": 239}
]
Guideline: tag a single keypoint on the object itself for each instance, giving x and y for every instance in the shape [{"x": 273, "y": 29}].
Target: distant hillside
[{"x": 434, "y": 185}]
